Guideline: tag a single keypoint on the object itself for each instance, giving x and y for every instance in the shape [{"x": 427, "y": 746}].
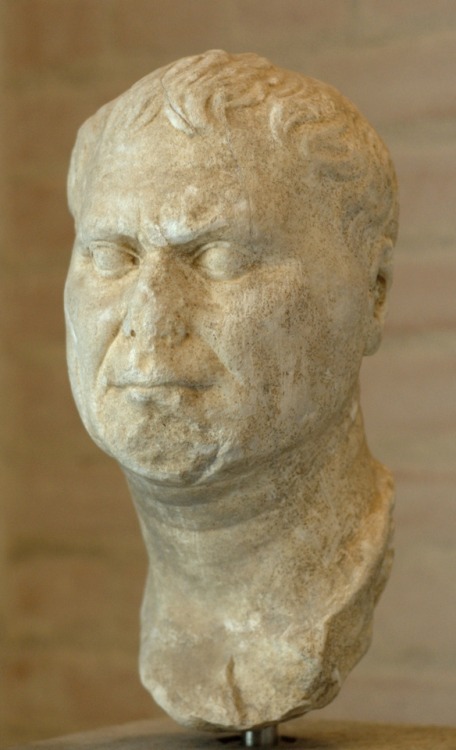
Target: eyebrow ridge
[
  {"x": 189, "y": 236},
  {"x": 136, "y": 240}
]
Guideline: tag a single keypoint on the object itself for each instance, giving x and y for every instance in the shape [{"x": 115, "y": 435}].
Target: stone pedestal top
[{"x": 303, "y": 734}]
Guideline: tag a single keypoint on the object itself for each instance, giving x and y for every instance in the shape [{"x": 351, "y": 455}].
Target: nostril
[{"x": 132, "y": 333}]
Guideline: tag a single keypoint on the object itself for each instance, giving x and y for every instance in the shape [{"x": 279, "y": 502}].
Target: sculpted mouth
[
  {"x": 149, "y": 386},
  {"x": 167, "y": 385},
  {"x": 158, "y": 390}
]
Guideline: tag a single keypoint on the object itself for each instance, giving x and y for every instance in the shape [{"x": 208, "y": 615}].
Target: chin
[
  {"x": 180, "y": 466},
  {"x": 186, "y": 465}
]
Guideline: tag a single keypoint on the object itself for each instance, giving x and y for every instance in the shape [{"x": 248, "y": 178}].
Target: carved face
[{"x": 215, "y": 316}]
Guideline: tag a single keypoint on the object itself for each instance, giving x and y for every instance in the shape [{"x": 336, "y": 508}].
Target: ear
[{"x": 380, "y": 278}]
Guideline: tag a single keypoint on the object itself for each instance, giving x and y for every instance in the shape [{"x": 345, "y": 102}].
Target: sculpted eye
[
  {"x": 112, "y": 260},
  {"x": 221, "y": 261}
]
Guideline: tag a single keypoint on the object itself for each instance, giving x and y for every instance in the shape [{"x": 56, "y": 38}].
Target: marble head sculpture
[{"x": 235, "y": 223}]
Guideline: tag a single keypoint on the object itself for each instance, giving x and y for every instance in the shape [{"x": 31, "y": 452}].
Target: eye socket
[
  {"x": 221, "y": 261},
  {"x": 112, "y": 260}
]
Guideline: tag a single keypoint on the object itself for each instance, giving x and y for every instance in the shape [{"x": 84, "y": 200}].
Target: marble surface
[
  {"x": 75, "y": 567},
  {"x": 235, "y": 224}
]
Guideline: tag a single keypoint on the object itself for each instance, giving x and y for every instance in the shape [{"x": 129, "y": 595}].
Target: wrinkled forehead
[
  {"x": 169, "y": 152},
  {"x": 161, "y": 175},
  {"x": 200, "y": 178}
]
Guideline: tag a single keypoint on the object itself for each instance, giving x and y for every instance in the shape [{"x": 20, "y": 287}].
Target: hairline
[{"x": 313, "y": 113}]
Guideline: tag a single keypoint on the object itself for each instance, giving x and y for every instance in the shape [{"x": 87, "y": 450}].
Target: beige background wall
[{"x": 72, "y": 562}]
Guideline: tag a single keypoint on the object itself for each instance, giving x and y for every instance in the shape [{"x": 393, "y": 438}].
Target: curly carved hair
[{"x": 215, "y": 92}]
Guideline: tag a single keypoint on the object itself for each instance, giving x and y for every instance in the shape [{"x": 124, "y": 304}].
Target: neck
[
  {"x": 280, "y": 539},
  {"x": 268, "y": 499}
]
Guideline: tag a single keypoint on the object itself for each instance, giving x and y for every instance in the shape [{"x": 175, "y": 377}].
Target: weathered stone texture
[
  {"x": 60, "y": 62},
  {"x": 234, "y": 230}
]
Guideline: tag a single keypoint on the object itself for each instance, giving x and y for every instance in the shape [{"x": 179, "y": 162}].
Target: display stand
[{"x": 303, "y": 734}]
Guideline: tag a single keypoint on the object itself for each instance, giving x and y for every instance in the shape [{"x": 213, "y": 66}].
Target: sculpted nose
[{"x": 156, "y": 307}]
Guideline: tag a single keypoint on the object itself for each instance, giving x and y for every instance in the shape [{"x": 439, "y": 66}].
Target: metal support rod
[{"x": 265, "y": 737}]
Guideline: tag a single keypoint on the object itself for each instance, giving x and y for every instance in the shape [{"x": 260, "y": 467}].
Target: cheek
[
  {"x": 346, "y": 318},
  {"x": 334, "y": 346},
  {"x": 256, "y": 329},
  {"x": 93, "y": 318},
  {"x": 288, "y": 340}
]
